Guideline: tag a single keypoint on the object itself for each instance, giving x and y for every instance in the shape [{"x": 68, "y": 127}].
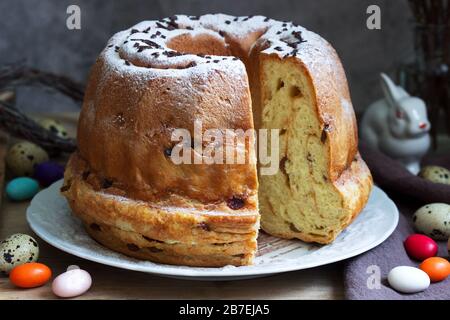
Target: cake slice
[{"x": 322, "y": 182}]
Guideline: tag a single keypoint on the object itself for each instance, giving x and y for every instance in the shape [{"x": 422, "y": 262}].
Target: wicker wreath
[{"x": 17, "y": 123}]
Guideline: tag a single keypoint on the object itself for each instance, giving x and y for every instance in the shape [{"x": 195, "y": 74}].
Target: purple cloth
[{"x": 409, "y": 192}]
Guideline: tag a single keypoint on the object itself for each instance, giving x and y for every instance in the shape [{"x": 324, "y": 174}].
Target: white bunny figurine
[{"x": 397, "y": 125}]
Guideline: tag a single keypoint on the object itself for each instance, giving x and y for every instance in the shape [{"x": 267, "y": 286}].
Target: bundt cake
[{"x": 223, "y": 72}]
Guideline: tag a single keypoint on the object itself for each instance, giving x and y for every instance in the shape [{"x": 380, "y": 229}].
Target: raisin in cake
[{"x": 229, "y": 73}]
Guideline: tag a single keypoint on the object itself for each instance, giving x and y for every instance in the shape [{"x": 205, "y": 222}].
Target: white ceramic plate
[{"x": 50, "y": 218}]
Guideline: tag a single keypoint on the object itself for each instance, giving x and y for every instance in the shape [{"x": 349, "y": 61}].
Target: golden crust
[
  {"x": 183, "y": 234},
  {"x": 134, "y": 138},
  {"x": 117, "y": 243}
]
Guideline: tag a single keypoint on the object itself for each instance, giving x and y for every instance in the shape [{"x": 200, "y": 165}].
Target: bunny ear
[{"x": 392, "y": 92}]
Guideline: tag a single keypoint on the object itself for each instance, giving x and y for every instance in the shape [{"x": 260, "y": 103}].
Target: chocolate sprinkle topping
[
  {"x": 160, "y": 25},
  {"x": 147, "y": 42},
  {"x": 142, "y": 48},
  {"x": 171, "y": 54}
]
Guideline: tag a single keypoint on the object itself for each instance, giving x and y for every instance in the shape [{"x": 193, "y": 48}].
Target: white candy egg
[
  {"x": 433, "y": 220},
  {"x": 408, "y": 279},
  {"x": 72, "y": 283}
]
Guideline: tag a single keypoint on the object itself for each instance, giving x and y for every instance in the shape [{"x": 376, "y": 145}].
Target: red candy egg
[{"x": 420, "y": 247}]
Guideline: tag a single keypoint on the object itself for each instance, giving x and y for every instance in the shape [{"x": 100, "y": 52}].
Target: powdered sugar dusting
[{"x": 141, "y": 52}]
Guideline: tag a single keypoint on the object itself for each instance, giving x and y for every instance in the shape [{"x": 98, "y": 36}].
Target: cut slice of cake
[{"x": 322, "y": 182}]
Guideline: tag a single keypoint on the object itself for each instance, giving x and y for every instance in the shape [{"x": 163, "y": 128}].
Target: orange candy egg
[
  {"x": 437, "y": 268},
  {"x": 30, "y": 275}
]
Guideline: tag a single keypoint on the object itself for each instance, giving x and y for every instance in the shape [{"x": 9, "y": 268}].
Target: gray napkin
[{"x": 409, "y": 192}]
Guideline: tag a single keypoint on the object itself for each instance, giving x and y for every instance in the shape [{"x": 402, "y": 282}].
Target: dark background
[{"x": 36, "y": 30}]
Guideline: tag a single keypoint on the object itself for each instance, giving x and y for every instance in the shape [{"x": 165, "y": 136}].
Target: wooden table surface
[{"x": 114, "y": 283}]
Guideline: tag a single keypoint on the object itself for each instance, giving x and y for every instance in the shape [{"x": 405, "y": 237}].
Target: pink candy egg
[
  {"x": 72, "y": 283},
  {"x": 420, "y": 247}
]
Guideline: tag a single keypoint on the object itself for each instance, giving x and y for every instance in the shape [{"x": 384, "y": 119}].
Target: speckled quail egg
[
  {"x": 23, "y": 156},
  {"x": 433, "y": 220},
  {"x": 54, "y": 126},
  {"x": 435, "y": 174},
  {"x": 17, "y": 249}
]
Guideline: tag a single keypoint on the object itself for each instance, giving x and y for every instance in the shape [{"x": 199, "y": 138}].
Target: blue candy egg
[
  {"x": 48, "y": 172},
  {"x": 22, "y": 188}
]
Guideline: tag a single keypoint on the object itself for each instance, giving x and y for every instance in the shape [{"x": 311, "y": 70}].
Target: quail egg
[
  {"x": 54, "y": 126},
  {"x": 433, "y": 220},
  {"x": 23, "y": 156},
  {"x": 435, "y": 174},
  {"x": 17, "y": 249}
]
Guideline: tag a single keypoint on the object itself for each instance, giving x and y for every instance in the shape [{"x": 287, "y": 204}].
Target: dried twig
[
  {"x": 19, "y": 75},
  {"x": 433, "y": 51},
  {"x": 21, "y": 126}
]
